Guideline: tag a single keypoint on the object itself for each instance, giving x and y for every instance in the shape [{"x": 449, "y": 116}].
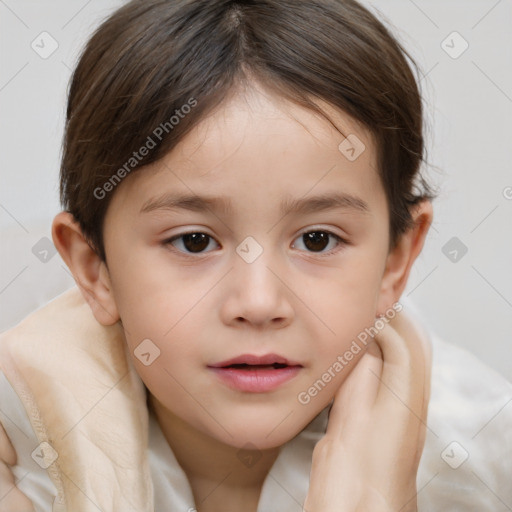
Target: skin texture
[{"x": 203, "y": 308}]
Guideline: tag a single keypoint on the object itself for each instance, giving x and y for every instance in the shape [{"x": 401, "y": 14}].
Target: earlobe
[
  {"x": 401, "y": 258},
  {"x": 89, "y": 271}
]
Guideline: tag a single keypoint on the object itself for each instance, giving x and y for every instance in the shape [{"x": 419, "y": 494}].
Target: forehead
[{"x": 258, "y": 150}]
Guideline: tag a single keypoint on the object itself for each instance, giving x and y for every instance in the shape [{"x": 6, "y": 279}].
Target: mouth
[
  {"x": 244, "y": 366},
  {"x": 256, "y": 374},
  {"x": 246, "y": 361}
]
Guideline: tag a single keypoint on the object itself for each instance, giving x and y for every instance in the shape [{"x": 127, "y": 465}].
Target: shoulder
[
  {"x": 467, "y": 461},
  {"x": 45, "y": 361},
  {"x": 24, "y": 485}
]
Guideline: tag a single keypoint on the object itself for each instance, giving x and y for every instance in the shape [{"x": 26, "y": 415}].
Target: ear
[
  {"x": 89, "y": 271},
  {"x": 401, "y": 258}
]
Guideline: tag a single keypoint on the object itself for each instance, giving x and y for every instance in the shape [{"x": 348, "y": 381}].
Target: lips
[
  {"x": 251, "y": 373},
  {"x": 251, "y": 361}
]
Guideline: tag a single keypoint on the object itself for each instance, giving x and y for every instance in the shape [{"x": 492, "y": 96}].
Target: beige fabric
[{"x": 84, "y": 398}]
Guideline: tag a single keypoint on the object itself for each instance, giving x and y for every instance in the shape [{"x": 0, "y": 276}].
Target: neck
[{"x": 206, "y": 460}]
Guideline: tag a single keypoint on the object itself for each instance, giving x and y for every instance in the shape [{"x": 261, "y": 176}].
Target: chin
[
  {"x": 256, "y": 440},
  {"x": 262, "y": 431}
]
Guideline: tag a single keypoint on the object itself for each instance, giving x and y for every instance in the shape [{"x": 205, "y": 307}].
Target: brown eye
[
  {"x": 192, "y": 242},
  {"x": 317, "y": 241}
]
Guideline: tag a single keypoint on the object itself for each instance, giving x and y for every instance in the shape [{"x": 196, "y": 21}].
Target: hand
[
  {"x": 368, "y": 459},
  {"x": 11, "y": 498}
]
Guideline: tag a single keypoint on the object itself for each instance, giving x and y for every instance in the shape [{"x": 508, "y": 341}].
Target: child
[{"x": 275, "y": 366}]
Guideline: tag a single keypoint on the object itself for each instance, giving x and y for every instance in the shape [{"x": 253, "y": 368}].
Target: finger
[
  {"x": 11, "y": 498},
  {"x": 406, "y": 366},
  {"x": 355, "y": 397},
  {"x": 402, "y": 398}
]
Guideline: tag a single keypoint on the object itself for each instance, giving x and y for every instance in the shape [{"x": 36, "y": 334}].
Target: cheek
[
  {"x": 346, "y": 304},
  {"x": 152, "y": 295},
  {"x": 346, "y": 300},
  {"x": 159, "y": 312},
  {"x": 160, "y": 339}
]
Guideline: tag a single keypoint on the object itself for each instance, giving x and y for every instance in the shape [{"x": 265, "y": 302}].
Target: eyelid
[{"x": 326, "y": 229}]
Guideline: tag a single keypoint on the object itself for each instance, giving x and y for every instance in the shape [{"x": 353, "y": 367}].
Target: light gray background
[{"x": 468, "y": 101}]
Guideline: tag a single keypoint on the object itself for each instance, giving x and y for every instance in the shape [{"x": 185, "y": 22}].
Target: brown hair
[{"x": 150, "y": 59}]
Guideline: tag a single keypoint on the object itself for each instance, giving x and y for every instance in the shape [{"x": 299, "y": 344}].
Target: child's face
[{"x": 304, "y": 300}]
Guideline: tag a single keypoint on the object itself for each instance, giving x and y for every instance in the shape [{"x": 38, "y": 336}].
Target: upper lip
[{"x": 256, "y": 360}]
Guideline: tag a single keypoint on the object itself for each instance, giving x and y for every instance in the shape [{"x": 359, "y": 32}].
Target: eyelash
[{"x": 341, "y": 242}]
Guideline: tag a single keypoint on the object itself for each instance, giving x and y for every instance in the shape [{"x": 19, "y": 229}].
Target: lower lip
[{"x": 258, "y": 380}]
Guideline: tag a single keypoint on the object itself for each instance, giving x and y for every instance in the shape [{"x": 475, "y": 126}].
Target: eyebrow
[{"x": 312, "y": 204}]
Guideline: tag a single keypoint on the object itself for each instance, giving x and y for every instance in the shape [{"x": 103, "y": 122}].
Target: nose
[{"x": 258, "y": 294}]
